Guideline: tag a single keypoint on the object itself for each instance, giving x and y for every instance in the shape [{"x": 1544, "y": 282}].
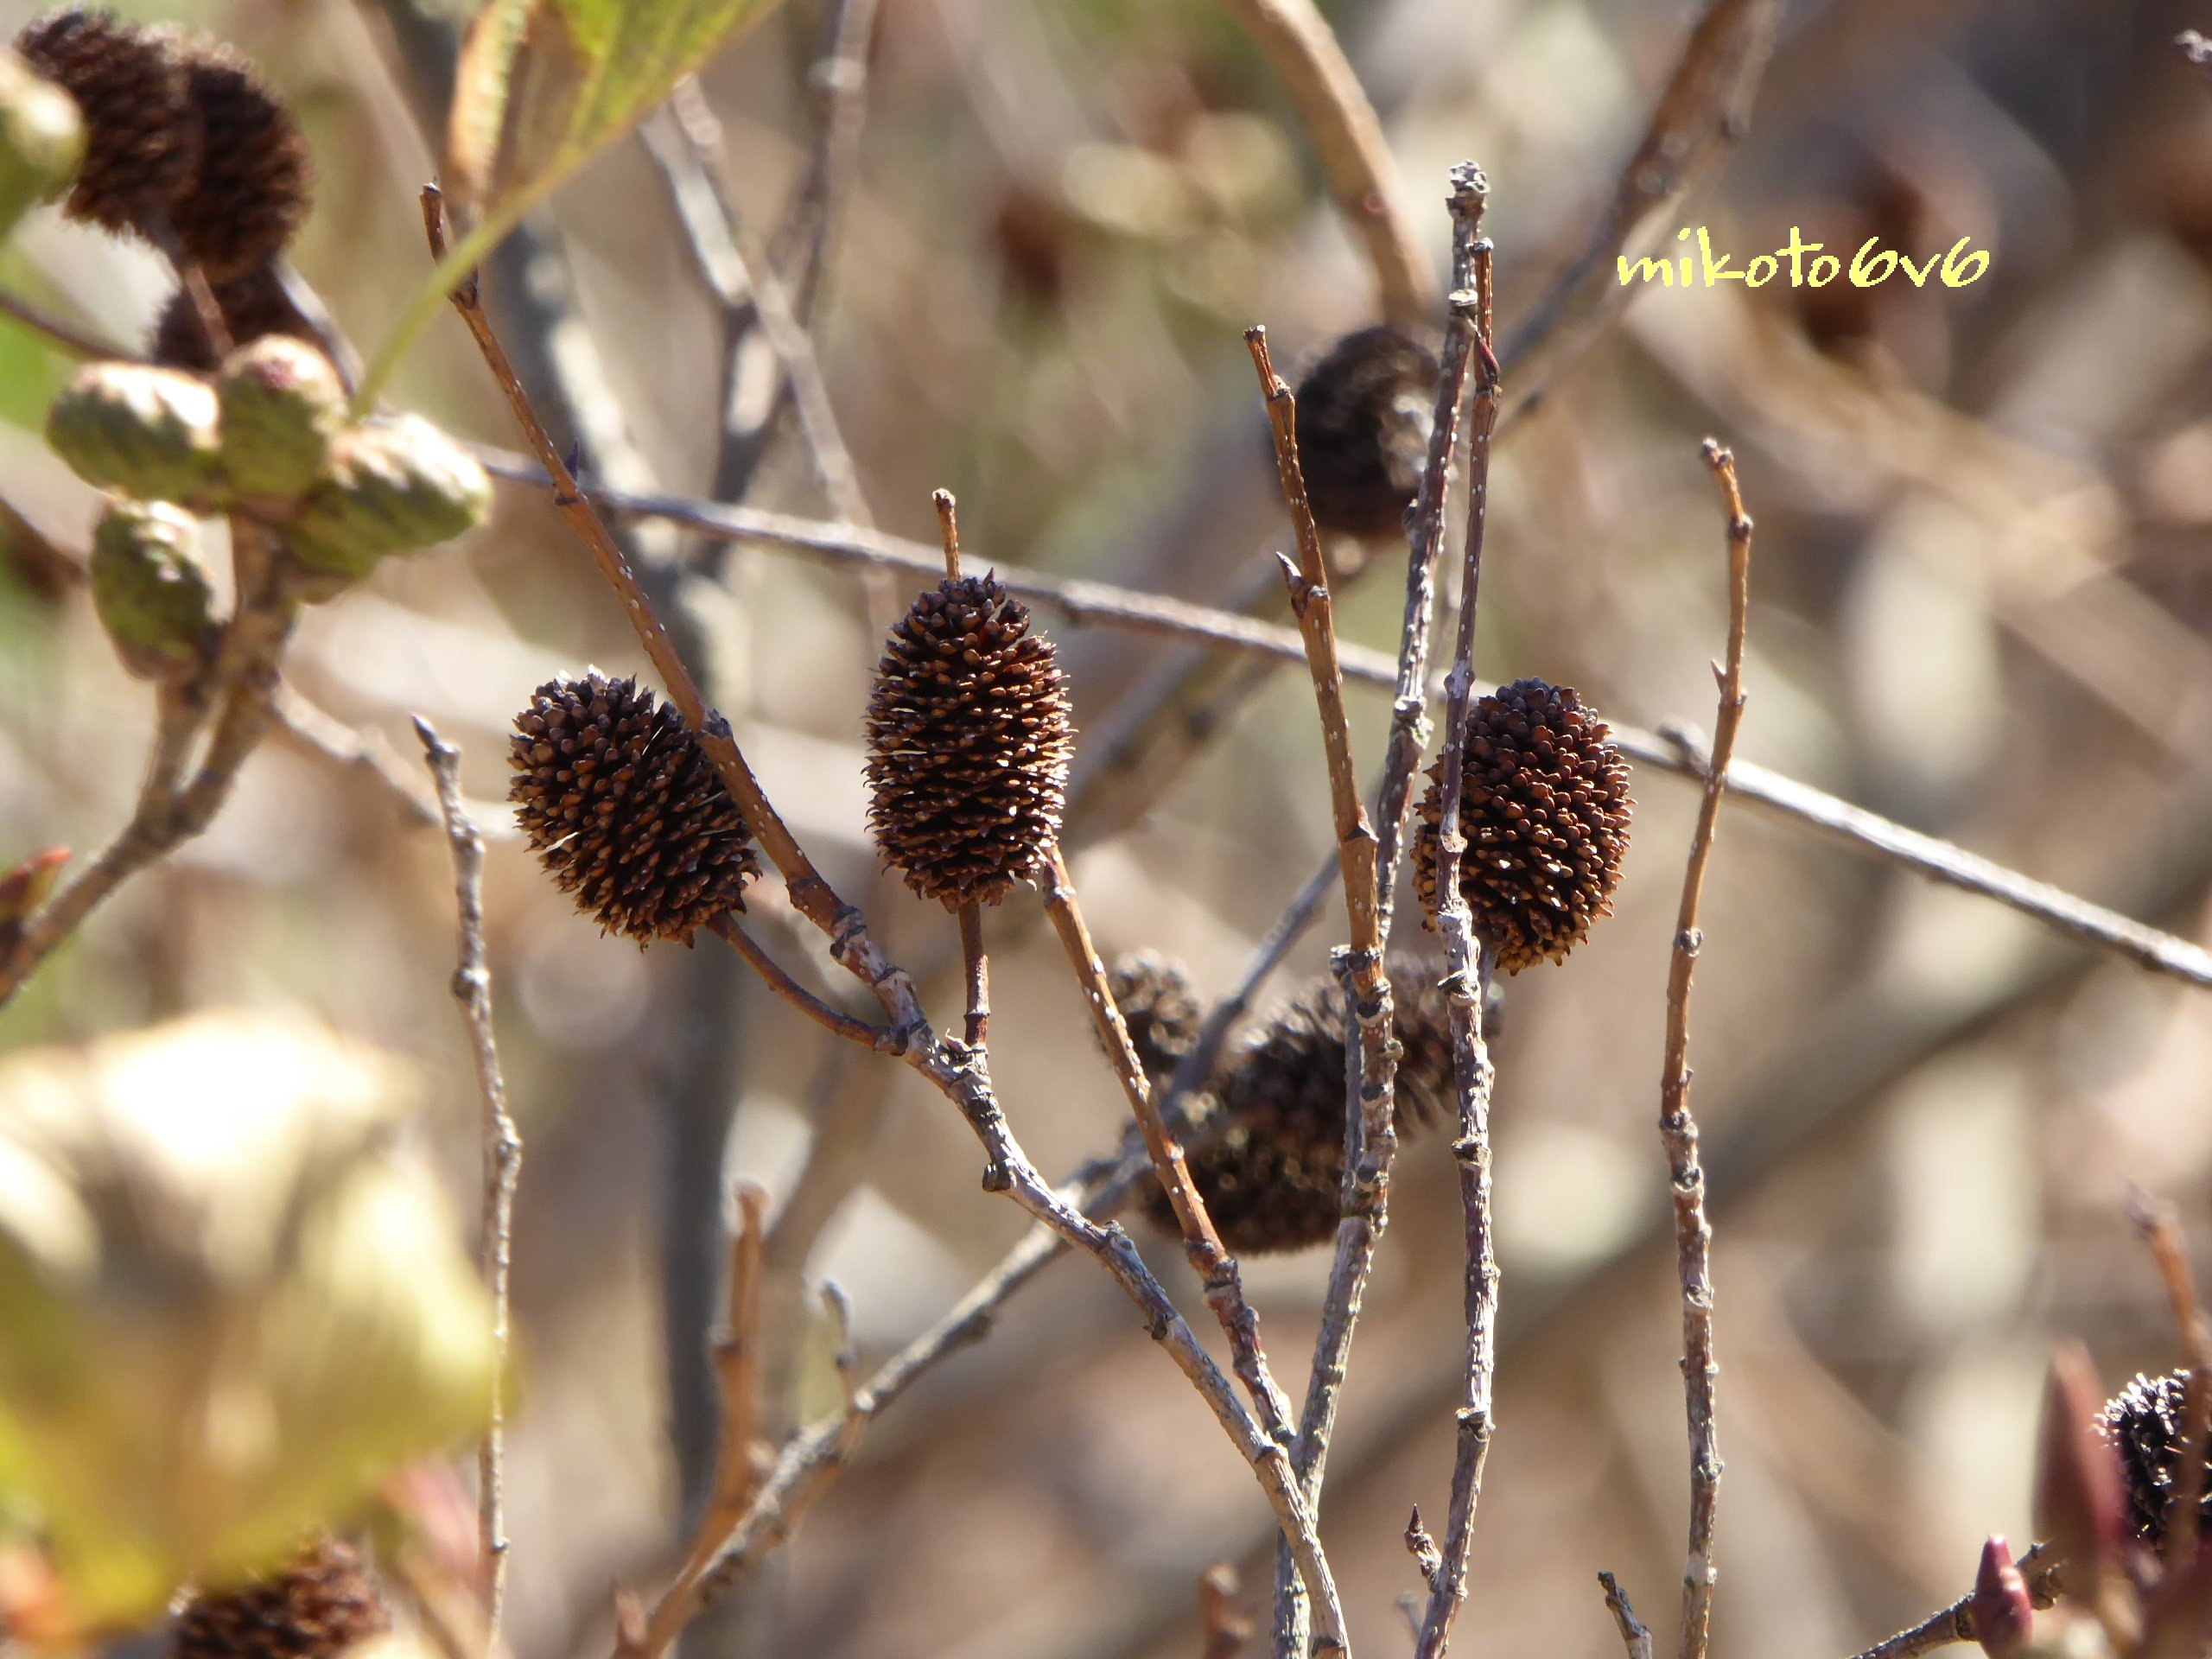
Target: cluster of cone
[
  {"x": 320, "y": 1605},
  {"x": 185, "y": 147}
]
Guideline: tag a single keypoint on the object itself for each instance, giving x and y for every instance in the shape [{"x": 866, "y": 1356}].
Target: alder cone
[
  {"x": 1161, "y": 1011},
  {"x": 1544, "y": 807},
  {"x": 2144, "y": 1423},
  {"x": 970, "y": 733},
  {"x": 1364, "y": 412},
  {"x": 253, "y": 306},
  {"x": 320, "y": 1605},
  {"x": 1271, "y": 1165},
  {"x": 255, "y": 178},
  {"x": 142, "y": 147},
  {"x": 624, "y": 809}
]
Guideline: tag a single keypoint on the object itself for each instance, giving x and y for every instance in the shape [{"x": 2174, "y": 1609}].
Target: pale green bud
[
  {"x": 150, "y": 589},
  {"x": 150, "y": 433},
  {"x": 42, "y": 139},
  {"x": 281, "y": 406},
  {"x": 387, "y": 488}
]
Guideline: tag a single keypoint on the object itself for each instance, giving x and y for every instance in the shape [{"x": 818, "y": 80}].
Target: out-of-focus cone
[{"x": 232, "y": 1307}]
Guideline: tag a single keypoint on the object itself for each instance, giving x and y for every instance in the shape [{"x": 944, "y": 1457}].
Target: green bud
[
  {"x": 42, "y": 139},
  {"x": 149, "y": 587},
  {"x": 281, "y": 406},
  {"x": 387, "y": 488},
  {"x": 149, "y": 433}
]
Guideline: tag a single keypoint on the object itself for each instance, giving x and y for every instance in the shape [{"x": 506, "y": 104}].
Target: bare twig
[
  {"x": 1705, "y": 107},
  {"x": 1466, "y": 986},
  {"x": 737, "y": 1450},
  {"x": 834, "y": 1020},
  {"x": 839, "y": 81},
  {"x": 1677, "y": 1127},
  {"x": 2162, "y": 1233},
  {"x": 958, "y": 1073},
  {"x": 1955, "y": 1623},
  {"x": 313, "y": 731},
  {"x": 66, "y": 336},
  {"x": 472, "y": 989},
  {"x": 1216, "y": 1268},
  {"x": 1634, "y": 1637},
  {"x": 1348, "y": 140}
]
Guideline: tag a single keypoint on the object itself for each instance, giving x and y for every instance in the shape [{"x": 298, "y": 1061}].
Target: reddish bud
[
  {"x": 2001, "y": 1614},
  {"x": 25, "y": 888}
]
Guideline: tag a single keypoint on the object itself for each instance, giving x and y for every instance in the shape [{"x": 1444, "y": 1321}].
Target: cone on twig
[
  {"x": 625, "y": 811},
  {"x": 1364, "y": 412},
  {"x": 969, "y": 734},
  {"x": 2143, "y": 1422},
  {"x": 255, "y": 178},
  {"x": 1162, "y": 1012},
  {"x": 317, "y": 1607},
  {"x": 1544, "y": 807},
  {"x": 141, "y": 148},
  {"x": 1270, "y": 1166}
]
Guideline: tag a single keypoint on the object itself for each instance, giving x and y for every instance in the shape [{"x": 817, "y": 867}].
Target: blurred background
[{"x": 1981, "y": 605}]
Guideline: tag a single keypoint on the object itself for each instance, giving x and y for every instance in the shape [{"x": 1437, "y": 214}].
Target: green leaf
[{"x": 544, "y": 86}]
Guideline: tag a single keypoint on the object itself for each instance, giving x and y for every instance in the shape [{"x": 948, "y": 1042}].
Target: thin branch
[
  {"x": 1466, "y": 986},
  {"x": 1955, "y": 1623},
  {"x": 737, "y": 1450},
  {"x": 2162, "y": 1233},
  {"x": 882, "y": 1039},
  {"x": 472, "y": 989},
  {"x": 1704, "y": 108},
  {"x": 312, "y": 731},
  {"x": 957, "y": 1073},
  {"x": 65, "y": 336},
  {"x": 1347, "y": 137},
  {"x": 1634, "y": 1637},
  {"x": 839, "y": 81},
  {"x": 1677, "y": 1127}
]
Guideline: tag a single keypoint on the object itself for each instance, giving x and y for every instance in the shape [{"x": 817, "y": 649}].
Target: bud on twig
[
  {"x": 2002, "y": 1616},
  {"x": 387, "y": 488},
  {"x": 148, "y": 432},
  {"x": 148, "y": 588},
  {"x": 282, "y": 408}
]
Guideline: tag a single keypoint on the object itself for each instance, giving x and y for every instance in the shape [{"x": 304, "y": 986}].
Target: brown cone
[
  {"x": 1271, "y": 1170},
  {"x": 625, "y": 811},
  {"x": 141, "y": 148},
  {"x": 1153, "y": 994},
  {"x": 2144, "y": 1423},
  {"x": 257, "y": 178},
  {"x": 1364, "y": 417},
  {"x": 316, "y": 1608},
  {"x": 968, "y": 736},
  {"x": 252, "y": 305},
  {"x": 1544, "y": 807}
]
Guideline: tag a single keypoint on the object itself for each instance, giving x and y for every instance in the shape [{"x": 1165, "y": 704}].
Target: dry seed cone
[
  {"x": 1544, "y": 807},
  {"x": 2144, "y": 1423},
  {"x": 254, "y": 307},
  {"x": 1156, "y": 1002},
  {"x": 1363, "y": 417},
  {"x": 321, "y": 1605},
  {"x": 625, "y": 810},
  {"x": 141, "y": 148},
  {"x": 1271, "y": 1166},
  {"x": 968, "y": 736},
  {"x": 256, "y": 177}
]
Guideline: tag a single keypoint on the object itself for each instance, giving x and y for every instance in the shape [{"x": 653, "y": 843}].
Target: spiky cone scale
[
  {"x": 1544, "y": 807},
  {"x": 256, "y": 179},
  {"x": 42, "y": 139},
  {"x": 149, "y": 433},
  {"x": 1154, "y": 995},
  {"x": 141, "y": 148},
  {"x": 150, "y": 589},
  {"x": 1363, "y": 417},
  {"x": 282, "y": 408},
  {"x": 1270, "y": 1166},
  {"x": 970, "y": 733},
  {"x": 389, "y": 486},
  {"x": 2143, "y": 1422},
  {"x": 253, "y": 306},
  {"x": 625, "y": 811},
  {"x": 320, "y": 1605}
]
